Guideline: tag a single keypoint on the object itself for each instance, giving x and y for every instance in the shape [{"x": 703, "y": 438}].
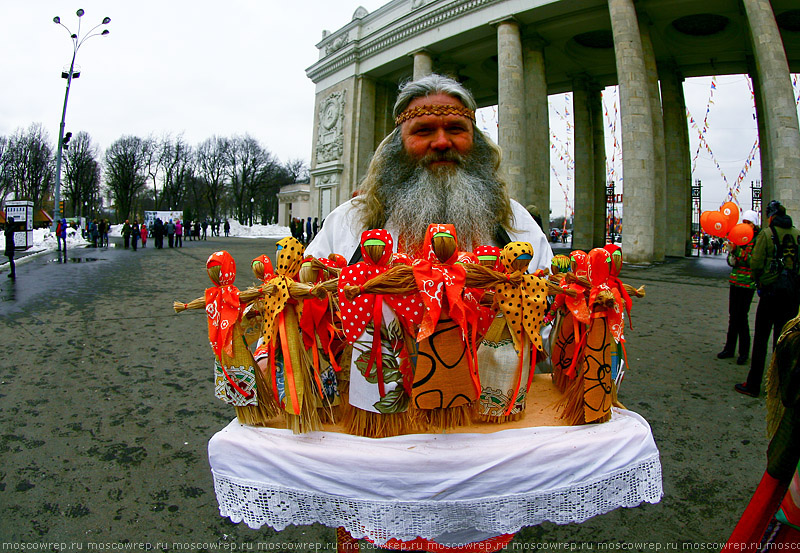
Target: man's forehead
[
  {"x": 437, "y": 105},
  {"x": 433, "y": 99}
]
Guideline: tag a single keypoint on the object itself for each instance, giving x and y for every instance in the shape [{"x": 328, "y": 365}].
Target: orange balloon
[
  {"x": 704, "y": 221},
  {"x": 731, "y": 212},
  {"x": 741, "y": 234},
  {"x": 716, "y": 224}
]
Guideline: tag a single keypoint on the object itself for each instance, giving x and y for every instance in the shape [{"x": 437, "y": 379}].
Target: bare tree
[
  {"x": 81, "y": 172},
  {"x": 125, "y": 166},
  {"x": 5, "y": 168},
  {"x": 213, "y": 169},
  {"x": 297, "y": 170},
  {"x": 31, "y": 164},
  {"x": 250, "y": 167},
  {"x": 177, "y": 160}
]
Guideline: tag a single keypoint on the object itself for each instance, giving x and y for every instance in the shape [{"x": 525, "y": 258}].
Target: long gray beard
[{"x": 466, "y": 195}]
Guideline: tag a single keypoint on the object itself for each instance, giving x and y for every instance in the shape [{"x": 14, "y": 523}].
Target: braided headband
[{"x": 437, "y": 109}]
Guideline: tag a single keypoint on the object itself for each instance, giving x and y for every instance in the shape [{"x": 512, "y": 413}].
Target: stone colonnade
[{"x": 655, "y": 141}]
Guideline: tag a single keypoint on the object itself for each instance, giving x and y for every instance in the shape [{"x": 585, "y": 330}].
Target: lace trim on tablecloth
[{"x": 277, "y": 507}]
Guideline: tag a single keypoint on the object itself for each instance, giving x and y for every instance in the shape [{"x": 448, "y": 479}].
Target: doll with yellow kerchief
[
  {"x": 509, "y": 349},
  {"x": 237, "y": 379},
  {"x": 288, "y": 364},
  {"x": 380, "y": 329}
]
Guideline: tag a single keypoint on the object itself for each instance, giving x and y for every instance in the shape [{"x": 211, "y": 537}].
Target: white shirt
[{"x": 341, "y": 233}]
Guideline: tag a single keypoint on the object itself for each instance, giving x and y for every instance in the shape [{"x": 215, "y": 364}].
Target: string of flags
[
  {"x": 560, "y": 154},
  {"x": 616, "y": 149}
]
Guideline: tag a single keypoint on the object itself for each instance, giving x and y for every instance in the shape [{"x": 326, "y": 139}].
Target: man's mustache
[{"x": 448, "y": 155}]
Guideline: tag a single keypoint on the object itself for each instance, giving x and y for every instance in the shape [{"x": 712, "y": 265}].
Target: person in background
[
  {"x": 776, "y": 305},
  {"x": 9, "y": 234},
  {"x": 309, "y": 233},
  {"x": 315, "y": 226},
  {"x": 61, "y": 235},
  {"x": 94, "y": 232},
  {"x": 143, "y": 233},
  {"x": 742, "y": 290},
  {"x": 126, "y": 234},
  {"x": 170, "y": 228},
  {"x": 227, "y": 228},
  {"x": 178, "y": 234},
  {"x": 135, "y": 234}
]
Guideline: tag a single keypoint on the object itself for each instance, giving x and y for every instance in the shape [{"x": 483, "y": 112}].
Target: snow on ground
[{"x": 44, "y": 240}]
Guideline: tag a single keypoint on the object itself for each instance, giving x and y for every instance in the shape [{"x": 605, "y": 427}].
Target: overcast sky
[{"x": 206, "y": 68}]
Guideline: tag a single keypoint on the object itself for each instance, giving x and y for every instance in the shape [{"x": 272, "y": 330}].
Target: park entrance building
[{"x": 513, "y": 53}]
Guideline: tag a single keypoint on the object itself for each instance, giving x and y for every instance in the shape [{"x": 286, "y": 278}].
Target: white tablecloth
[{"x": 434, "y": 485}]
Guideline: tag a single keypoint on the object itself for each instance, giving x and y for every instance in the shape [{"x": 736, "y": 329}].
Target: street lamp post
[
  {"x": 252, "y": 200},
  {"x": 77, "y": 42}
]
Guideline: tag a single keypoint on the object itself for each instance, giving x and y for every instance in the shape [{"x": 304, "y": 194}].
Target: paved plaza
[{"x": 107, "y": 407}]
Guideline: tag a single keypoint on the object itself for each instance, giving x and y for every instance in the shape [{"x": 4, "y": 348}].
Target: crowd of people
[
  {"x": 175, "y": 232},
  {"x": 304, "y": 231}
]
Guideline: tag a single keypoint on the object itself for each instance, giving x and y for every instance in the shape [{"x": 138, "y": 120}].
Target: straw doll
[
  {"x": 291, "y": 373},
  {"x": 237, "y": 380},
  {"x": 446, "y": 383},
  {"x": 509, "y": 349},
  {"x": 589, "y": 395},
  {"x": 252, "y": 319},
  {"x": 380, "y": 329},
  {"x": 626, "y": 292},
  {"x": 571, "y": 322},
  {"x": 318, "y": 320}
]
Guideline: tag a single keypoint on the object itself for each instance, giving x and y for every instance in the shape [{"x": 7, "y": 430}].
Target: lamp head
[
  {"x": 105, "y": 32},
  {"x": 106, "y": 20},
  {"x": 79, "y": 13},
  {"x": 56, "y": 19}
]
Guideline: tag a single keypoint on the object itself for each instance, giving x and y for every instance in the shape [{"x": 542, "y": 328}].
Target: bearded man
[{"x": 436, "y": 166}]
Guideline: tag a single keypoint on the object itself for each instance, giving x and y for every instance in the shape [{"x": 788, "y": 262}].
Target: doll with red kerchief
[
  {"x": 319, "y": 319},
  {"x": 589, "y": 394},
  {"x": 237, "y": 379},
  {"x": 380, "y": 329},
  {"x": 446, "y": 382},
  {"x": 571, "y": 322}
]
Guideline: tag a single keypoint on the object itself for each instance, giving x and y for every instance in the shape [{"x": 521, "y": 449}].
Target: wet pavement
[{"x": 106, "y": 404}]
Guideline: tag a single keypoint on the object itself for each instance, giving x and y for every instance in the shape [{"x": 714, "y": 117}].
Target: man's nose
[{"x": 441, "y": 141}]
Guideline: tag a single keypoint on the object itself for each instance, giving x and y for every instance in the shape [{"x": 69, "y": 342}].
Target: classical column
[
  {"x": 511, "y": 105},
  {"x": 599, "y": 157},
  {"x": 660, "y": 221},
  {"x": 537, "y": 135},
  {"x": 679, "y": 172},
  {"x": 638, "y": 161},
  {"x": 583, "y": 221},
  {"x": 779, "y": 104},
  {"x": 764, "y": 142},
  {"x": 423, "y": 64},
  {"x": 362, "y": 129}
]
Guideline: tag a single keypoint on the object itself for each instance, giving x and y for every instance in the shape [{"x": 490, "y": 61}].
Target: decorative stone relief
[
  {"x": 330, "y": 128},
  {"x": 337, "y": 44},
  {"x": 328, "y": 180},
  {"x": 417, "y": 4},
  {"x": 360, "y": 13}
]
